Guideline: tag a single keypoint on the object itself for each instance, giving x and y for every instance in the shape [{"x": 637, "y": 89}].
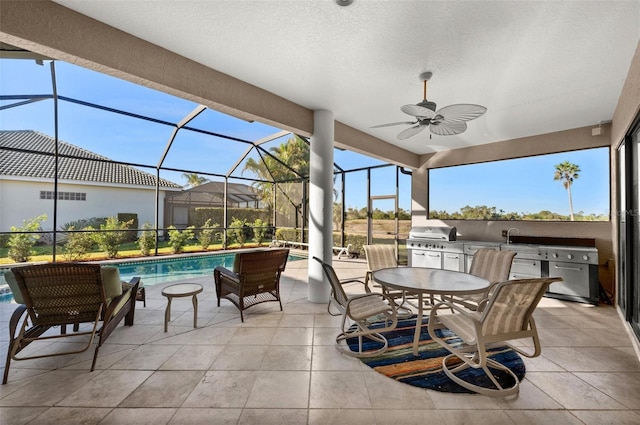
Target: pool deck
[{"x": 282, "y": 368}]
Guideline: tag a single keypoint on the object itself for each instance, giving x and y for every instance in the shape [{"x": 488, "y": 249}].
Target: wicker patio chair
[
  {"x": 506, "y": 316},
  {"x": 362, "y": 310},
  {"x": 62, "y": 294},
  {"x": 255, "y": 278}
]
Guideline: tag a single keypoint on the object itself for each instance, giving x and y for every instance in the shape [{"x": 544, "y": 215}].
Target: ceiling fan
[{"x": 445, "y": 121}]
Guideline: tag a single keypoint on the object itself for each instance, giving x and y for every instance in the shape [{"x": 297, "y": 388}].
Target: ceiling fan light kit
[{"x": 446, "y": 121}]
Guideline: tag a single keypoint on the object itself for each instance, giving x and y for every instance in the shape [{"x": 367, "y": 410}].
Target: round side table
[{"x": 181, "y": 290}]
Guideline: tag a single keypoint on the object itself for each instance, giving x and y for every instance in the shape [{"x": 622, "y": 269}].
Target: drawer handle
[{"x": 578, "y": 269}]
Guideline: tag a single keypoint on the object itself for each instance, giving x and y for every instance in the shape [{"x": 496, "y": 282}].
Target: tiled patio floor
[{"x": 281, "y": 368}]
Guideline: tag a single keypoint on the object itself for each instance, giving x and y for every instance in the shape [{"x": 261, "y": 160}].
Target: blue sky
[
  {"x": 525, "y": 185},
  {"x": 518, "y": 185}
]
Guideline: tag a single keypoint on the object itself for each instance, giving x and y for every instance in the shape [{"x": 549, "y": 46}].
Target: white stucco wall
[{"x": 20, "y": 200}]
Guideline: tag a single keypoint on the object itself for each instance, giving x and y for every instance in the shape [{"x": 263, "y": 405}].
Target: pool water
[{"x": 156, "y": 271}]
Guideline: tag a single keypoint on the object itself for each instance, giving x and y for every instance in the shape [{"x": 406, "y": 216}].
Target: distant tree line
[{"x": 483, "y": 212}]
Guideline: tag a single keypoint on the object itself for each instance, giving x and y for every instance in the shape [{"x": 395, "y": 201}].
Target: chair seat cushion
[
  {"x": 13, "y": 285},
  {"x": 367, "y": 306},
  {"x": 111, "y": 282},
  {"x": 461, "y": 325}
]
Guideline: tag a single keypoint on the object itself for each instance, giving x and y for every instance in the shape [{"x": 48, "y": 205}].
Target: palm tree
[
  {"x": 295, "y": 153},
  {"x": 567, "y": 172},
  {"x": 194, "y": 179}
]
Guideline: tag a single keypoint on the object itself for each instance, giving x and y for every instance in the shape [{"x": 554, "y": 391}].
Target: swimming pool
[{"x": 162, "y": 270}]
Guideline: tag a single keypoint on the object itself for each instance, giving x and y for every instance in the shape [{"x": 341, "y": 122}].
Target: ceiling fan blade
[
  {"x": 411, "y": 131},
  {"x": 418, "y": 111},
  {"x": 461, "y": 112},
  {"x": 394, "y": 123},
  {"x": 448, "y": 128}
]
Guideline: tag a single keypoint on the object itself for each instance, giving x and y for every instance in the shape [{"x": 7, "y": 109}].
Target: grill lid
[{"x": 441, "y": 233}]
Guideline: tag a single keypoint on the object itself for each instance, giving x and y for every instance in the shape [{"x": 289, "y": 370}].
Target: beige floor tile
[
  {"x": 252, "y": 336},
  {"x": 338, "y": 390},
  {"x": 387, "y": 393},
  {"x": 537, "y": 417},
  {"x": 193, "y": 357},
  {"x": 20, "y": 415},
  {"x": 287, "y": 357},
  {"x": 144, "y": 416},
  {"x": 108, "y": 389},
  {"x": 476, "y": 417},
  {"x": 273, "y": 417},
  {"x": 280, "y": 389},
  {"x": 164, "y": 389},
  {"x": 343, "y": 416},
  {"x": 297, "y": 321},
  {"x": 293, "y": 336},
  {"x": 447, "y": 401},
  {"x": 572, "y": 359},
  {"x": 71, "y": 415},
  {"x": 617, "y": 358},
  {"x": 572, "y": 392},
  {"x": 46, "y": 389},
  {"x": 326, "y": 357},
  {"x": 147, "y": 357},
  {"x": 622, "y": 387},
  {"x": 408, "y": 417},
  {"x": 325, "y": 336},
  {"x": 212, "y": 335},
  {"x": 240, "y": 357},
  {"x": 222, "y": 389},
  {"x": 607, "y": 417},
  {"x": 205, "y": 416},
  {"x": 529, "y": 397},
  {"x": 541, "y": 363}
]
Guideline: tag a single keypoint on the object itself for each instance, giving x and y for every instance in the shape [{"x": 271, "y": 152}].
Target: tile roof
[{"x": 29, "y": 164}]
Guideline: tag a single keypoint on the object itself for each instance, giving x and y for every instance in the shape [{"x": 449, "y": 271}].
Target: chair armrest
[
  {"x": 366, "y": 285},
  {"x": 226, "y": 273}
]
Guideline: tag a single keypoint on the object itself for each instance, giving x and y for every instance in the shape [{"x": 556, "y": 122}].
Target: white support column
[{"x": 320, "y": 204}]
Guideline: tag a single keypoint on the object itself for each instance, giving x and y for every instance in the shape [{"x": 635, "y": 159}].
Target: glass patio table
[{"x": 422, "y": 280}]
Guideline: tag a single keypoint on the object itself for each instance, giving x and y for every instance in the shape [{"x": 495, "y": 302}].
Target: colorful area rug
[{"x": 425, "y": 370}]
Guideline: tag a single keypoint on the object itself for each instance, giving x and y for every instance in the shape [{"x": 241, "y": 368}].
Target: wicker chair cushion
[
  {"x": 111, "y": 282},
  {"x": 13, "y": 285}
]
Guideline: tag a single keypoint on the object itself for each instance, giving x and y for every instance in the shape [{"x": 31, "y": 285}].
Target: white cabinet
[{"x": 423, "y": 258}]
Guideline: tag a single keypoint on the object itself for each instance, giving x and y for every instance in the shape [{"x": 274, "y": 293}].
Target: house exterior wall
[{"x": 20, "y": 200}]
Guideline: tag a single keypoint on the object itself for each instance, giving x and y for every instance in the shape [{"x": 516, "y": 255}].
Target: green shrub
[
  {"x": 20, "y": 244},
  {"x": 77, "y": 244},
  {"x": 147, "y": 239},
  {"x": 260, "y": 229},
  {"x": 178, "y": 239},
  {"x": 131, "y": 218},
  {"x": 239, "y": 231},
  {"x": 207, "y": 233},
  {"x": 114, "y": 232}
]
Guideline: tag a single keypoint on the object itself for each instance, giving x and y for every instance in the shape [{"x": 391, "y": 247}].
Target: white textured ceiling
[{"x": 538, "y": 67}]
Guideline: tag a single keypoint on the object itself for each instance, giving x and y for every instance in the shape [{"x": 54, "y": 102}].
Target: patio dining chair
[
  {"x": 359, "y": 312},
  {"x": 491, "y": 264},
  {"x": 61, "y": 294},
  {"x": 508, "y": 315},
  {"x": 383, "y": 256}
]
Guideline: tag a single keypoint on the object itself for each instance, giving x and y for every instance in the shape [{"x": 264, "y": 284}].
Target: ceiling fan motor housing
[{"x": 427, "y": 104}]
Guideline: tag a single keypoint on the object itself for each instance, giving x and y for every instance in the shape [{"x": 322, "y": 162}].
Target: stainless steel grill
[{"x": 436, "y": 247}]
